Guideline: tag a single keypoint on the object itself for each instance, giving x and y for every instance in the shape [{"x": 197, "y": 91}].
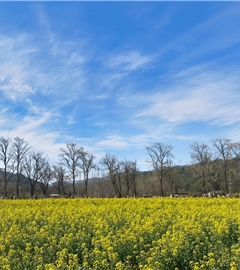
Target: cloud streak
[
  {"x": 128, "y": 61},
  {"x": 197, "y": 95},
  {"x": 13, "y": 67}
]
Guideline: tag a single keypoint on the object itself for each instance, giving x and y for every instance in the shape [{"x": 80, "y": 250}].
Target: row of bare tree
[
  {"x": 18, "y": 160},
  {"x": 215, "y": 163},
  {"x": 77, "y": 160}
]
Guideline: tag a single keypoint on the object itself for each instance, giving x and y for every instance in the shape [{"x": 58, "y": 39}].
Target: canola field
[{"x": 153, "y": 233}]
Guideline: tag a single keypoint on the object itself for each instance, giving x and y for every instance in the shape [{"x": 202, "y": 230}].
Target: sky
[{"x": 115, "y": 77}]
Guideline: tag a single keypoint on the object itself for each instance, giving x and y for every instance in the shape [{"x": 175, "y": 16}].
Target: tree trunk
[
  {"x": 203, "y": 181},
  {"x": 161, "y": 186},
  {"x": 134, "y": 189},
  {"x": 74, "y": 189},
  {"x": 86, "y": 187},
  {"x": 5, "y": 190},
  {"x": 17, "y": 186},
  {"x": 225, "y": 178},
  {"x": 45, "y": 190},
  {"x": 63, "y": 191},
  {"x": 32, "y": 189}
]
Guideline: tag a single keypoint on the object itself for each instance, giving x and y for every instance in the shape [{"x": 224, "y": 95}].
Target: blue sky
[{"x": 115, "y": 77}]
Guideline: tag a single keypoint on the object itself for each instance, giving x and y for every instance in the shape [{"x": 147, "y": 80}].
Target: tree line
[
  {"x": 214, "y": 169},
  {"x": 20, "y": 162}
]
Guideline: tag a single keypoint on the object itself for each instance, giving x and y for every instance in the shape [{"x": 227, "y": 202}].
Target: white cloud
[
  {"x": 197, "y": 95},
  {"x": 71, "y": 119},
  {"x": 31, "y": 130},
  {"x": 109, "y": 81},
  {"x": 2, "y": 120},
  {"x": 128, "y": 61},
  {"x": 113, "y": 142},
  {"x": 26, "y": 67},
  {"x": 205, "y": 39},
  {"x": 13, "y": 81},
  {"x": 76, "y": 58},
  {"x": 14, "y": 66}
]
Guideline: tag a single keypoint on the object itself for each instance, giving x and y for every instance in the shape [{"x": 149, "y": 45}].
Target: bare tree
[
  {"x": 235, "y": 149},
  {"x": 234, "y": 172},
  {"x": 86, "y": 164},
  {"x": 6, "y": 156},
  {"x": 111, "y": 163},
  {"x": 129, "y": 170},
  {"x": 160, "y": 155},
  {"x": 133, "y": 176},
  {"x": 34, "y": 165},
  {"x": 20, "y": 150},
  {"x": 197, "y": 155},
  {"x": 46, "y": 177},
  {"x": 223, "y": 149},
  {"x": 201, "y": 154},
  {"x": 102, "y": 185},
  {"x": 70, "y": 159},
  {"x": 173, "y": 181},
  {"x": 60, "y": 175}
]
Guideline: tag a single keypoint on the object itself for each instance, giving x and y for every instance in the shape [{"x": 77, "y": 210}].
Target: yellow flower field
[{"x": 168, "y": 233}]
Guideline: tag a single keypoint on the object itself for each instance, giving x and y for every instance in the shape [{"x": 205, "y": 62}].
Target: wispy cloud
[
  {"x": 128, "y": 61},
  {"x": 107, "y": 81},
  {"x": 203, "y": 41},
  {"x": 14, "y": 66},
  {"x": 113, "y": 142},
  {"x": 26, "y": 70},
  {"x": 197, "y": 95},
  {"x": 32, "y": 131}
]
